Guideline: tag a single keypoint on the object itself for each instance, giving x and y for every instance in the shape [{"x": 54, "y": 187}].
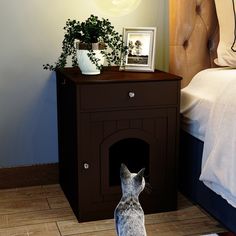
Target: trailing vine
[{"x": 91, "y": 31}]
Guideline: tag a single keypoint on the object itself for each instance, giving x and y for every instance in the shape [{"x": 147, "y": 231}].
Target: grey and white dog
[{"x": 129, "y": 215}]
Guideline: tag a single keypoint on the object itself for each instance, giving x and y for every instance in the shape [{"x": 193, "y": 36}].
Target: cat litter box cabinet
[{"x": 113, "y": 118}]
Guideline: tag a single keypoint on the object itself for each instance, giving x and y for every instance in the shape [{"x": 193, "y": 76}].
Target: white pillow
[{"x": 226, "y": 18}]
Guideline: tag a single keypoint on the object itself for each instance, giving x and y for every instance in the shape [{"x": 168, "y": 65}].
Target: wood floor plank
[
  {"x": 10, "y": 207},
  {"x": 183, "y": 219},
  {"x": 99, "y": 233},
  {"x": 185, "y": 227},
  {"x": 25, "y": 193},
  {"x": 53, "y": 190},
  {"x": 48, "y": 229},
  {"x": 71, "y": 227},
  {"x": 44, "y": 211},
  {"x": 182, "y": 214},
  {"x": 183, "y": 202},
  {"x": 58, "y": 202},
  {"x": 36, "y": 217},
  {"x": 195, "y": 226},
  {"x": 31, "y": 193}
]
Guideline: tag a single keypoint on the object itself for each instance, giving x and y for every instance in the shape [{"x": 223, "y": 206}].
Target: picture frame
[{"x": 141, "y": 43}]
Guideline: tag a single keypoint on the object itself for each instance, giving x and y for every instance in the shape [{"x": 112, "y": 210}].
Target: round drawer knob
[
  {"x": 86, "y": 166},
  {"x": 131, "y": 94}
]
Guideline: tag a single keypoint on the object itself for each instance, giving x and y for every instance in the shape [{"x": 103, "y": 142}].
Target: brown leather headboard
[{"x": 193, "y": 29}]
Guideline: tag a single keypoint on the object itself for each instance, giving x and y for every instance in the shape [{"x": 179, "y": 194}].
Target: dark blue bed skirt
[{"x": 189, "y": 184}]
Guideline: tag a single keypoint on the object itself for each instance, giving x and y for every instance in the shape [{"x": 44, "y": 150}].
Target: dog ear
[
  {"x": 124, "y": 172},
  {"x": 139, "y": 176}
]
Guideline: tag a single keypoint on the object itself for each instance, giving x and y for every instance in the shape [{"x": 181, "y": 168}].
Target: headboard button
[
  {"x": 185, "y": 44},
  {"x": 198, "y": 9},
  {"x": 209, "y": 44}
]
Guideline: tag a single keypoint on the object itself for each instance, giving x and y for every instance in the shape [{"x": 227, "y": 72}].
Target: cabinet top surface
[{"x": 112, "y": 74}]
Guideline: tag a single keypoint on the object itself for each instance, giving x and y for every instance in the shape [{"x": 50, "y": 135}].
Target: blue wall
[{"x": 28, "y": 121}]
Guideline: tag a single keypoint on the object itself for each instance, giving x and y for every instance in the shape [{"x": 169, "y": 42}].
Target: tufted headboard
[{"x": 193, "y": 29}]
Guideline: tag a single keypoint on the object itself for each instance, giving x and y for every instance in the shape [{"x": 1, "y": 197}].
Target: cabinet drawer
[{"x": 102, "y": 96}]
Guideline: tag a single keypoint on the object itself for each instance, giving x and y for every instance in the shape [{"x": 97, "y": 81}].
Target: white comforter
[{"x": 212, "y": 108}]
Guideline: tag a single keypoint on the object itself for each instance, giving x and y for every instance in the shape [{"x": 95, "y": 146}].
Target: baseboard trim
[{"x": 29, "y": 176}]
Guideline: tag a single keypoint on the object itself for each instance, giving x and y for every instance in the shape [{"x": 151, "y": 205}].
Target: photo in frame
[{"x": 141, "y": 48}]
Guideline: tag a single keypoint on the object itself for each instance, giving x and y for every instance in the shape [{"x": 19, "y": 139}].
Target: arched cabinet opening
[
  {"x": 134, "y": 147},
  {"x": 133, "y": 152}
]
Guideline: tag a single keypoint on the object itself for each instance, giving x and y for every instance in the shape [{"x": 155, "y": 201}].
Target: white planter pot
[{"x": 85, "y": 64}]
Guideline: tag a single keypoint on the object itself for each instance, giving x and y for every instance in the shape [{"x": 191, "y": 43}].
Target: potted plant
[{"x": 95, "y": 39}]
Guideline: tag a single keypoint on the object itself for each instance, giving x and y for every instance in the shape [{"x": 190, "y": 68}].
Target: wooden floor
[{"x": 44, "y": 211}]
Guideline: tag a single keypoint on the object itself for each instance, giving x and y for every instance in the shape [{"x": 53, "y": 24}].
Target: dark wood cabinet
[{"x": 111, "y": 118}]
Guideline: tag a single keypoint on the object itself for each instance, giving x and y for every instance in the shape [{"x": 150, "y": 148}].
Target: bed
[{"x": 198, "y": 53}]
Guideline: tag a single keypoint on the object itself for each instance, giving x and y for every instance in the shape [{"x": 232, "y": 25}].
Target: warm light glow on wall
[{"x": 117, "y": 7}]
